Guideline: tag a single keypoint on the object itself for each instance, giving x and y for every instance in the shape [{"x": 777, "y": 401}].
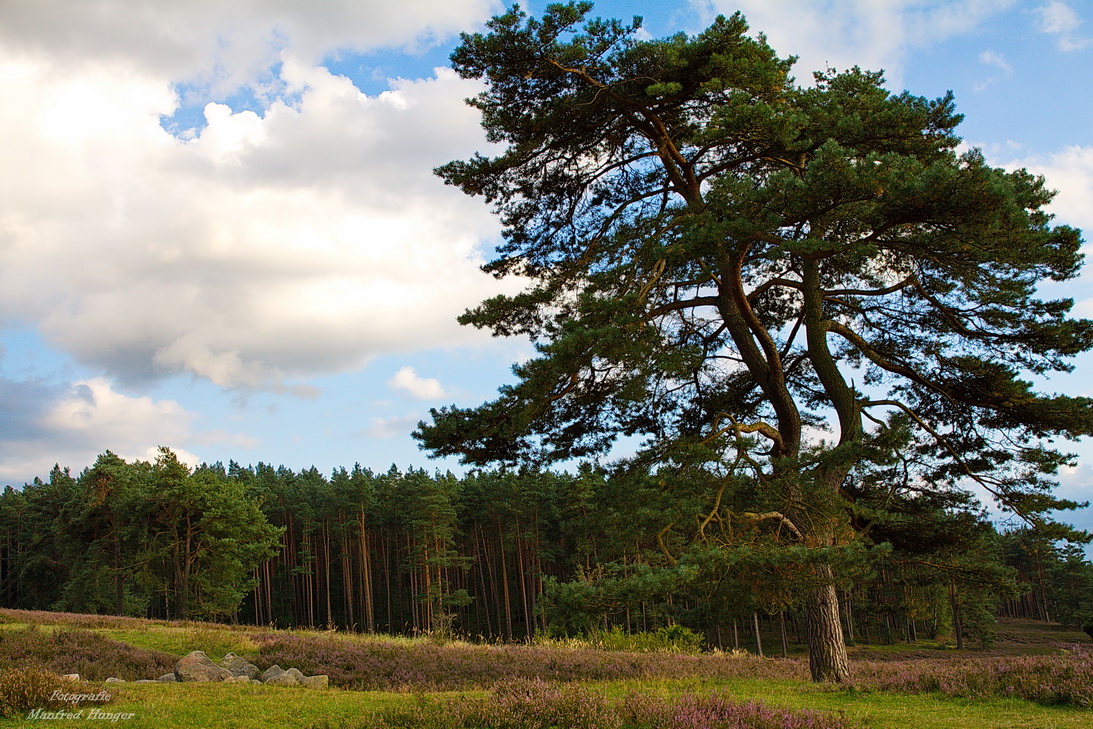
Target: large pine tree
[{"x": 717, "y": 259}]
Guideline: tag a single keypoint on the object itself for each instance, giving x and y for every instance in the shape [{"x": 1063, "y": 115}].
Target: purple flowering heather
[
  {"x": 1065, "y": 679},
  {"x": 534, "y": 704},
  {"x": 381, "y": 665}
]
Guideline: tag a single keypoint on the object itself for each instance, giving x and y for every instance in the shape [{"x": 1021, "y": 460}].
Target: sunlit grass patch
[
  {"x": 179, "y": 640},
  {"x": 179, "y": 706}
]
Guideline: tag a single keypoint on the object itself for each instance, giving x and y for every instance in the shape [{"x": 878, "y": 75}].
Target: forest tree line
[{"x": 504, "y": 555}]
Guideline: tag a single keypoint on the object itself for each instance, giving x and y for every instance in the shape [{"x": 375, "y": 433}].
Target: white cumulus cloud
[
  {"x": 70, "y": 425},
  {"x": 868, "y": 33},
  {"x": 1069, "y": 171},
  {"x": 219, "y": 46},
  {"x": 423, "y": 388},
  {"x": 262, "y": 248}
]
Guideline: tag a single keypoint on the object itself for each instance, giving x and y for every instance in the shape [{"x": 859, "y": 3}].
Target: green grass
[
  {"x": 878, "y": 709},
  {"x": 216, "y": 641},
  {"x": 165, "y": 706}
]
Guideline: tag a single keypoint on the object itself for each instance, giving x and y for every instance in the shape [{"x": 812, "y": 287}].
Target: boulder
[
  {"x": 71, "y": 677},
  {"x": 199, "y": 667},
  {"x": 112, "y": 679},
  {"x": 284, "y": 678},
  {"x": 240, "y": 679},
  {"x": 167, "y": 678},
  {"x": 239, "y": 666},
  {"x": 296, "y": 674},
  {"x": 270, "y": 672},
  {"x": 321, "y": 681}
]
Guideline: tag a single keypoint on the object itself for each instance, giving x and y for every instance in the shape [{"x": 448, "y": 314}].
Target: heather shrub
[
  {"x": 24, "y": 689},
  {"x": 534, "y": 704},
  {"x": 385, "y": 665},
  {"x": 1065, "y": 679},
  {"x": 718, "y": 711},
  {"x": 382, "y": 665},
  {"x": 91, "y": 655},
  {"x": 72, "y": 620}
]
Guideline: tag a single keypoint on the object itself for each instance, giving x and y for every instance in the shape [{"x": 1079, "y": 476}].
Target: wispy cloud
[
  {"x": 993, "y": 58},
  {"x": 392, "y": 427},
  {"x": 1059, "y": 19},
  {"x": 997, "y": 60}
]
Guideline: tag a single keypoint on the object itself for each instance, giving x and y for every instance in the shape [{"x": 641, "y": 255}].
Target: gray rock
[
  {"x": 282, "y": 679},
  {"x": 71, "y": 677},
  {"x": 239, "y": 666},
  {"x": 167, "y": 678},
  {"x": 321, "y": 681},
  {"x": 199, "y": 667},
  {"x": 270, "y": 672},
  {"x": 296, "y": 674},
  {"x": 240, "y": 679},
  {"x": 115, "y": 680}
]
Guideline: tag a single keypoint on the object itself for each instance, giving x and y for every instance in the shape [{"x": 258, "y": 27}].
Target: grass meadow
[{"x": 1036, "y": 676}]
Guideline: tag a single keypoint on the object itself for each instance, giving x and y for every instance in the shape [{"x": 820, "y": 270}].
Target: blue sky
[{"x": 220, "y": 232}]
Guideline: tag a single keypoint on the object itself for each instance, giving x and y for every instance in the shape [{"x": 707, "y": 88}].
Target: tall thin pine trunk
[
  {"x": 758, "y": 638},
  {"x": 505, "y": 582}
]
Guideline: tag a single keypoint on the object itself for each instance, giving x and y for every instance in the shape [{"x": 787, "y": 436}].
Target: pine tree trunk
[
  {"x": 366, "y": 580},
  {"x": 505, "y": 583},
  {"x": 326, "y": 575},
  {"x": 481, "y": 565},
  {"x": 782, "y": 630},
  {"x": 119, "y": 580},
  {"x": 269, "y": 592},
  {"x": 528, "y": 627},
  {"x": 758, "y": 638},
  {"x": 348, "y": 592},
  {"x": 958, "y": 627},
  {"x": 827, "y": 658}
]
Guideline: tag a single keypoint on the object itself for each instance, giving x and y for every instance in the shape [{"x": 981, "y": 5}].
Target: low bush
[{"x": 25, "y": 689}]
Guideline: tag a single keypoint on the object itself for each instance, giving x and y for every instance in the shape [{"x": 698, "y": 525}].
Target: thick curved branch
[
  {"x": 675, "y": 163},
  {"x": 765, "y": 429},
  {"x": 910, "y": 280},
  {"x": 767, "y": 285},
  {"x": 876, "y": 358},
  {"x": 778, "y": 516},
  {"x": 694, "y": 303},
  {"x": 664, "y": 547}
]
